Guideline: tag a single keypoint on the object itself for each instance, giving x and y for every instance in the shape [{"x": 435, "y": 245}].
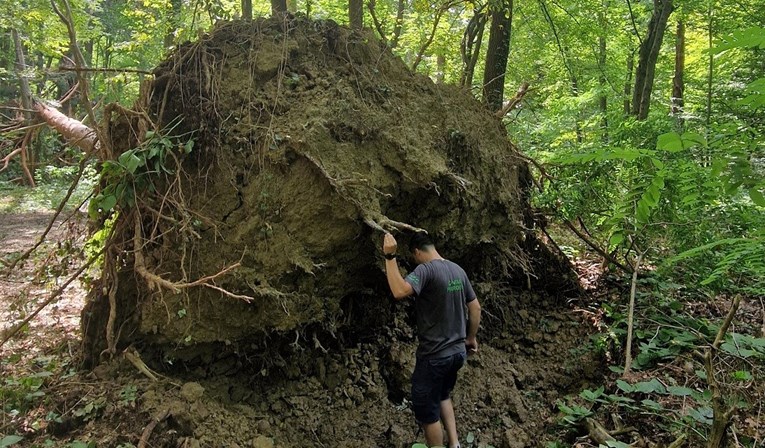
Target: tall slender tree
[
  {"x": 678, "y": 85},
  {"x": 497, "y": 54},
  {"x": 648, "y": 56}
]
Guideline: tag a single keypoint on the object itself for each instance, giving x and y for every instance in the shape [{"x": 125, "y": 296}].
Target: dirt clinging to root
[{"x": 310, "y": 141}]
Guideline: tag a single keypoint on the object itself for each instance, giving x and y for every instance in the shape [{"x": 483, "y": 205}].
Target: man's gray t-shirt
[{"x": 442, "y": 291}]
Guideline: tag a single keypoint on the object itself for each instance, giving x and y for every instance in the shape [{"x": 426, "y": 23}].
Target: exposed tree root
[
  {"x": 150, "y": 427},
  {"x": 155, "y": 281}
]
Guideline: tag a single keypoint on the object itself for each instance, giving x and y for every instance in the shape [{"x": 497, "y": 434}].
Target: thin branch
[
  {"x": 61, "y": 205},
  {"x": 631, "y": 315},
  {"x": 155, "y": 280},
  {"x": 427, "y": 43},
  {"x": 515, "y": 101},
  {"x": 634, "y": 26},
  {"x": 596, "y": 248},
  {"x": 376, "y": 21},
  {"x": 12, "y": 332},
  {"x": 103, "y": 70},
  {"x": 79, "y": 62}
]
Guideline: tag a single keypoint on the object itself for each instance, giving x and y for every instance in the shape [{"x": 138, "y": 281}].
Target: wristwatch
[{"x": 389, "y": 256}]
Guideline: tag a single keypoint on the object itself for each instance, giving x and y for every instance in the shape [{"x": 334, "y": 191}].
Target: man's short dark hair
[{"x": 420, "y": 240}]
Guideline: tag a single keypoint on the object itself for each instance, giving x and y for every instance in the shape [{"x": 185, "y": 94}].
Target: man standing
[{"x": 442, "y": 291}]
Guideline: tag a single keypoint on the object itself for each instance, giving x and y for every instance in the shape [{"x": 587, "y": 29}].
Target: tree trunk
[
  {"x": 470, "y": 47},
  {"x": 678, "y": 85},
  {"x": 356, "y": 14},
  {"x": 649, "y": 54},
  {"x": 497, "y": 55},
  {"x": 72, "y": 130},
  {"x": 440, "y": 68},
  {"x": 278, "y": 7},
  {"x": 399, "y": 23},
  {"x": 602, "y": 81},
  {"x": 26, "y": 102},
  {"x": 247, "y": 9},
  {"x": 628, "y": 82}
]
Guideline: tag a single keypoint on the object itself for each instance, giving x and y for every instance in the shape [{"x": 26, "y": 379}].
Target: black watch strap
[{"x": 390, "y": 256}]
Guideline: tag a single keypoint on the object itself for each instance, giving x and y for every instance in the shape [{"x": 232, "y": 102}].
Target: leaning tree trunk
[
  {"x": 470, "y": 47},
  {"x": 497, "y": 54},
  {"x": 648, "y": 56}
]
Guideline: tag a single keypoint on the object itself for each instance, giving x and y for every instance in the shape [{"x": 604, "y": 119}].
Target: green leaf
[
  {"x": 679, "y": 391},
  {"x": 616, "y": 444},
  {"x": 188, "y": 146},
  {"x": 592, "y": 395},
  {"x": 108, "y": 203},
  {"x": 419, "y": 445},
  {"x": 742, "y": 375},
  {"x": 470, "y": 438},
  {"x": 757, "y": 197},
  {"x": 671, "y": 142},
  {"x": 653, "y": 405},
  {"x": 10, "y": 440},
  {"x": 701, "y": 415},
  {"x": 649, "y": 387},
  {"x": 625, "y": 386},
  {"x": 616, "y": 239}
]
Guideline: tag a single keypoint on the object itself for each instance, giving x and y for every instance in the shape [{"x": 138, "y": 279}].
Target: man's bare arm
[
  {"x": 474, "y": 321},
  {"x": 398, "y": 286}
]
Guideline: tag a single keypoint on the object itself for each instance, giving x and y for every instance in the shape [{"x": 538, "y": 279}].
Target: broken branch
[{"x": 514, "y": 101}]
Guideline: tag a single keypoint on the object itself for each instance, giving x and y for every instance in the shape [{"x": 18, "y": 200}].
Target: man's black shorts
[{"x": 432, "y": 382}]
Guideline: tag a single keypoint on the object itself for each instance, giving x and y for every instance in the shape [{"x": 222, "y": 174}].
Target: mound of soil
[{"x": 310, "y": 142}]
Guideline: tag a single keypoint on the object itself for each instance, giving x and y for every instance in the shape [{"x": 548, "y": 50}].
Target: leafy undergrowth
[{"x": 666, "y": 396}]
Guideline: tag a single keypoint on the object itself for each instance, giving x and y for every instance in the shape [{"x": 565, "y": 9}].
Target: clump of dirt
[{"x": 310, "y": 141}]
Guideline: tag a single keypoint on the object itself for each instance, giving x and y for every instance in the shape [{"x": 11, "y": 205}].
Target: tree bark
[
  {"x": 356, "y": 14},
  {"x": 247, "y": 9},
  {"x": 21, "y": 66},
  {"x": 397, "y": 27},
  {"x": 72, "y": 130},
  {"x": 628, "y": 82},
  {"x": 648, "y": 56},
  {"x": 497, "y": 54},
  {"x": 440, "y": 68},
  {"x": 278, "y": 7},
  {"x": 470, "y": 47},
  {"x": 602, "y": 81},
  {"x": 678, "y": 85}
]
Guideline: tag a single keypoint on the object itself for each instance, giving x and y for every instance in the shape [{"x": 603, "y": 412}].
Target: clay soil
[{"x": 311, "y": 390}]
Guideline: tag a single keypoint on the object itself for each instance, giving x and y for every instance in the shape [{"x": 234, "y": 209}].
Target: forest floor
[{"x": 514, "y": 393}]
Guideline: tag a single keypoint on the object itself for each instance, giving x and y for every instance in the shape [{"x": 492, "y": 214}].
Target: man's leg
[
  {"x": 447, "y": 417},
  {"x": 434, "y": 435}
]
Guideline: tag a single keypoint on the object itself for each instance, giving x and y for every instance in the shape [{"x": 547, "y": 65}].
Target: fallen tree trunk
[{"x": 74, "y": 131}]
